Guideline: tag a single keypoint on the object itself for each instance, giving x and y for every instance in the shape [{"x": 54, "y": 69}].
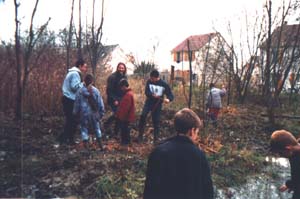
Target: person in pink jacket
[{"x": 126, "y": 111}]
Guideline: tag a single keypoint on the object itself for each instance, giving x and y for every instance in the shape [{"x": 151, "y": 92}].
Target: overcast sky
[{"x": 137, "y": 25}]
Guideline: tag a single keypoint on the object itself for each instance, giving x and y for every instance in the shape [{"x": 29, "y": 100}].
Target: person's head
[
  {"x": 121, "y": 68},
  {"x": 89, "y": 79},
  {"x": 187, "y": 122},
  {"x": 123, "y": 84},
  {"x": 211, "y": 85},
  {"x": 81, "y": 64},
  {"x": 280, "y": 139},
  {"x": 154, "y": 76}
]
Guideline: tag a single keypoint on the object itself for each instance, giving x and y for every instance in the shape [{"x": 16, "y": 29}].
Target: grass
[
  {"x": 127, "y": 183},
  {"x": 229, "y": 167}
]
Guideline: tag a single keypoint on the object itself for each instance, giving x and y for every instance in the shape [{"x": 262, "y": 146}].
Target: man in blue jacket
[
  {"x": 72, "y": 83},
  {"x": 155, "y": 90},
  {"x": 177, "y": 168}
]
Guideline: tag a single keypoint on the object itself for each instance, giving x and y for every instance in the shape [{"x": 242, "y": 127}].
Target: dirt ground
[{"x": 33, "y": 165}]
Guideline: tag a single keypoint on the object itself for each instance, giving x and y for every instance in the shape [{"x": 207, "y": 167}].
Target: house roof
[
  {"x": 109, "y": 48},
  {"x": 196, "y": 42},
  {"x": 106, "y": 50},
  {"x": 287, "y": 35}
]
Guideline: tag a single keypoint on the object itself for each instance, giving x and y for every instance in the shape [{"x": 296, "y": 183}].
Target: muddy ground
[{"x": 33, "y": 165}]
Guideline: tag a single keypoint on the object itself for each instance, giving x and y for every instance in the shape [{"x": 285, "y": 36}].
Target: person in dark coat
[
  {"x": 177, "y": 168},
  {"x": 281, "y": 143},
  {"x": 155, "y": 90},
  {"x": 114, "y": 95},
  {"x": 126, "y": 111}
]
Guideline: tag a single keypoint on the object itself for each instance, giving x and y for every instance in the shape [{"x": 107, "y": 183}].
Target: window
[{"x": 178, "y": 57}]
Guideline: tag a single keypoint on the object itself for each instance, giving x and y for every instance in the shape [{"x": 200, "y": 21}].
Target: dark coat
[
  {"x": 126, "y": 108},
  {"x": 159, "y": 88},
  {"x": 178, "y": 169},
  {"x": 294, "y": 182},
  {"x": 113, "y": 90}
]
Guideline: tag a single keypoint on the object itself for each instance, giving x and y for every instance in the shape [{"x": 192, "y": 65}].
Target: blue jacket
[
  {"x": 72, "y": 83},
  {"x": 84, "y": 109}
]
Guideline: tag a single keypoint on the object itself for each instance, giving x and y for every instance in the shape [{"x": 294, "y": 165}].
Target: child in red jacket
[{"x": 126, "y": 111}]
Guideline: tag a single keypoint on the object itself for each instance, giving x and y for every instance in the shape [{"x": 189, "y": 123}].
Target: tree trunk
[
  {"x": 19, "y": 97},
  {"x": 70, "y": 37},
  {"x": 79, "y": 40},
  {"x": 191, "y": 74},
  {"x": 267, "y": 88}
]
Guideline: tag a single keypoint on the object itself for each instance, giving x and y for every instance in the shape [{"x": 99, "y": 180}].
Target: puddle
[{"x": 262, "y": 186}]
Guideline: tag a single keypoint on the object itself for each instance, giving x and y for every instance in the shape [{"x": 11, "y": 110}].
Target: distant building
[
  {"x": 165, "y": 75},
  {"x": 208, "y": 55},
  {"x": 285, "y": 54},
  {"x": 112, "y": 55}
]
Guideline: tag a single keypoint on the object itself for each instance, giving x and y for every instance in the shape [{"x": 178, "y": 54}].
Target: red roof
[{"x": 196, "y": 42}]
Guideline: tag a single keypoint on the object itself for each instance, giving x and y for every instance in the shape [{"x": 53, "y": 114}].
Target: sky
[{"x": 137, "y": 25}]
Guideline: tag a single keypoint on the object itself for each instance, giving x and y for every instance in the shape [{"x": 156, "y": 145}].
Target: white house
[
  {"x": 112, "y": 55},
  {"x": 207, "y": 53}
]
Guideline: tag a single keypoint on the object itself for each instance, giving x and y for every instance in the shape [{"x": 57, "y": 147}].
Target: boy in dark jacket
[
  {"x": 155, "y": 90},
  {"x": 177, "y": 168},
  {"x": 281, "y": 141},
  {"x": 126, "y": 111}
]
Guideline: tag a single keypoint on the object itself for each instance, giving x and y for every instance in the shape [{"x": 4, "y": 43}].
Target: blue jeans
[{"x": 95, "y": 126}]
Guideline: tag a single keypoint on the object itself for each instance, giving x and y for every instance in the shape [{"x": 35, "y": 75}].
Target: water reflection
[
  {"x": 283, "y": 162},
  {"x": 262, "y": 186}
]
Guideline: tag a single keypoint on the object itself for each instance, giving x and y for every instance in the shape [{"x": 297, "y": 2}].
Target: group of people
[
  {"x": 83, "y": 103},
  {"x": 177, "y": 168}
]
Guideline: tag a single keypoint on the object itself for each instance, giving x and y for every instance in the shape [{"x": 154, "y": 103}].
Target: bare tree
[
  {"x": 23, "y": 57},
  {"x": 247, "y": 48},
  {"x": 281, "y": 51},
  {"x": 93, "y": 40},
  {"x": 79, "y": 38},
  {"x": 70, "y": 36},
  {"x": 191, "y": 74}
]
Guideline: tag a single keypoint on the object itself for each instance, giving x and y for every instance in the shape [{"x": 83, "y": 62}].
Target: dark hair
[
  {"x": 211, "y": 85},
  {"x": 91, "y": 100},
  {"x": 88, "y": 79},
  {"x": 154, "y": 73},
  {"x": 123, "y": 82},
  {"x": 186, "y": 119},
  {"x": 121, "y": 63},
  {"x": 79, "y": 62}
]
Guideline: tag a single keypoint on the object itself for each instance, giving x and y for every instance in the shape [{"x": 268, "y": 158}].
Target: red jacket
[{"x": 126, "y": 108}]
